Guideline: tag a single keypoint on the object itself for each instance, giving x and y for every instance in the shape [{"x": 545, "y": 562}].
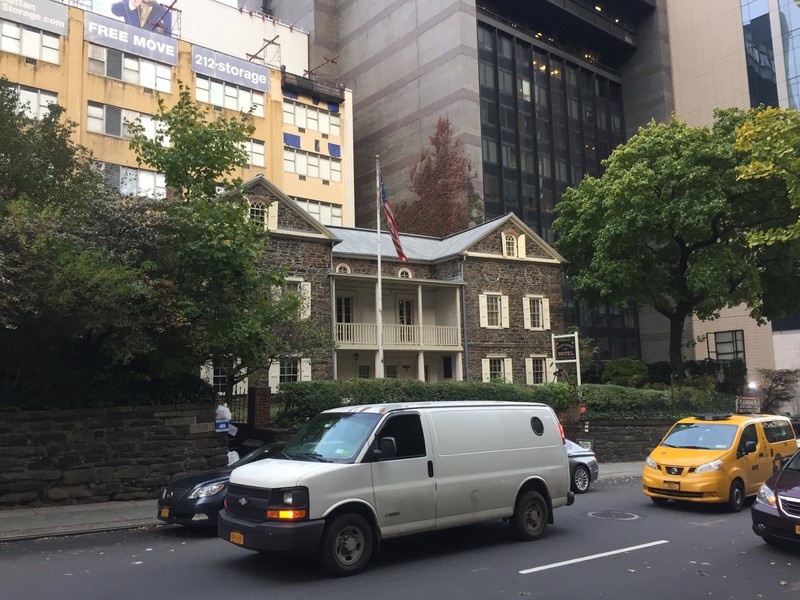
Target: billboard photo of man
[{"x": 147, "y": 14}]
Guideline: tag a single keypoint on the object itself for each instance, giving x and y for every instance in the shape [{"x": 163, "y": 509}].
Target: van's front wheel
[
  {"x": 530, "y": 516},
  {"x": 346, "y": 545}
]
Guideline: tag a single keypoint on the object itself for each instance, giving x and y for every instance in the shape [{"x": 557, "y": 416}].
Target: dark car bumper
[
  {"x": 769, "y": 523},
  {"x": 201, "y": 512},
  {"x": 296, "y": 538}
]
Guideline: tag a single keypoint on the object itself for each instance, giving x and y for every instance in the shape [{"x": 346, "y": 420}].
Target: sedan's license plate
[
  {"x": 164, "y": 513},
  {"x": 236, "y": 538},
  {"x": 672, "y": 485}
]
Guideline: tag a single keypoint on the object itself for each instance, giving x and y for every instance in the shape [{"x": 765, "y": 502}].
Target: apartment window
[
  {"x": 28, "y": 42},
  {"x": 228, "y": 95},
  {"x": 363, "y": 371},
  {"x": 729, "y": 344},
  {"x": 133, "y": 182},
  {"x": 535, "y": 370},
  {"x": 255, "y": 152},
  {"x": 322, "y": 167},
  {"x": 493, "y": 310},
  {"x": 115, "y": 121},
  {"x": 289, "y": 370},
  {"x": 114, "y": 64},
  {"x": 391, "y": 372},
  {"x": 496, "y": 369},
  {"x": 34, "y": 102},
  {"x": 311, "y": 118},
  {"x": 536, "y": 312},
  {"x": 325, "y": 213},
  {"x": 258, "y": 213},
  {"x": 447, "y": 367}
]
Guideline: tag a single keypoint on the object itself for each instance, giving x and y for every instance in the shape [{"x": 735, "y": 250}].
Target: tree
[
  {"x": 233, "y": 315},
  {"x": 771, "y": 140},
  {"x": 779, "y": 389},
  {"x": 666, "y": 226},
  {"x": 442, "y": 179}
]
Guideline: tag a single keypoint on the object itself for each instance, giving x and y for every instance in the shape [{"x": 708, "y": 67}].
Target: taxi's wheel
[
  {"x": 346, "y": 545},
  {"x": 736, "y": 496}
]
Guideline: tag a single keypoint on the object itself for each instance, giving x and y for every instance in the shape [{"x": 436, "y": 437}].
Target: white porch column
[
  {"x": 421, "y": 366},
  {"x": 459, "y": 370}
]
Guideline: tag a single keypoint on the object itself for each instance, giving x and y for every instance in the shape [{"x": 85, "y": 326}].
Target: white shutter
[
  {"x": 207, "y": 373},
  {"x": 305, "y": 369},
  {"x": 485, "y": 370},
  {"x": 240, "y": 389},
  {"x": 545, "y": 313},
  {"x": 504, "y": 308},
  {"x": 482, "y": 306},
  {"x": 272, "y": 216},
  {"x": 305, "y": 299},
  {"x": 521, "y": 250},
  {"x": 274, "y": 376},
  {"x": 529, "y": 371},
  {"x": 508, "y": 373},
  {"x": 550, "y": 375},
  {"x": 502, "y": 243},
  {"x": 526, "y": 311}
]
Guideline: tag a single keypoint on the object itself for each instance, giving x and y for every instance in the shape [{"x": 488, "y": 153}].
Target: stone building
[{"x": 478, "y": 305}]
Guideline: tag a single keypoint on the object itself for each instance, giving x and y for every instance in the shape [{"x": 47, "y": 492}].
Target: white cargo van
[{"x": 356, "y": 475}]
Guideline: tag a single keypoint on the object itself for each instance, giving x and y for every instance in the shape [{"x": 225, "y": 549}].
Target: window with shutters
[
  {"x": 536, "y": 311},
  {"x": 536, "y": 367},
  {"x": 493, "y": 307},
  {"x": 115, "y": 64},
  {"x": 289, "y": 370},
  {"x": 496, "y": 368},
  {"x": 30, "y": 42},
  {"x": 258, "y": 213}
]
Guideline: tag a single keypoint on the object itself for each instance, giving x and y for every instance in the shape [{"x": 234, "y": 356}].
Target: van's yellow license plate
[
  {"x": 236, "y": 538},
  {"x": 672, "y": 485}
]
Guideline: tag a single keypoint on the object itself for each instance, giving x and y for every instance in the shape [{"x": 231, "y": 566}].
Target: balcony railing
[{"x": 366, "y": 334}]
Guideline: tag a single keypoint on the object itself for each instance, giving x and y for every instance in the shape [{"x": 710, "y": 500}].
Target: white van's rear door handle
[{"x": 430, "y": 468}]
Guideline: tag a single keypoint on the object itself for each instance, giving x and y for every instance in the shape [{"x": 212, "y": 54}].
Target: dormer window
[
  {"x": 258, "y": 213},
  {"x": 405, "y": 273},
  {"x": 342, "y": 268}
]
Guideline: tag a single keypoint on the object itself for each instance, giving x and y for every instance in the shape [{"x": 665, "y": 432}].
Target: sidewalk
[{"x": 47, "y": 521}]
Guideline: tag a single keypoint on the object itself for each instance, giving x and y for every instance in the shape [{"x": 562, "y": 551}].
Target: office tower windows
[{"x": 760, "y": 55}]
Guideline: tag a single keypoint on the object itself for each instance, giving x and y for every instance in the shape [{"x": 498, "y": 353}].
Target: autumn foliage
[{"x": 442, "y": 180}]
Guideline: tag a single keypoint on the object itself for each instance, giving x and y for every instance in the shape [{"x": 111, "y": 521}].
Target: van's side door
[{"x": 405, "y": 490}]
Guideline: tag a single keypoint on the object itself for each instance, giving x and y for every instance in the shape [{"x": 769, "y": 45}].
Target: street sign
[{"x": 748, "y": 404}]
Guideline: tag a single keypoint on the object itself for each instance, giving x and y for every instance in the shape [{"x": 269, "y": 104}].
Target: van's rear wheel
[
  {"x": 530, "y": 516},
  {"x": 346, "y": 545}
]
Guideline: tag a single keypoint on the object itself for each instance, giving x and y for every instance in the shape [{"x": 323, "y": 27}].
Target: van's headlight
[
  {"x": 651, "y": 463},
  {"x": 714, "y": 465},
  {"x": 288, "y": 504},
  {"x": 766, "y": 496},
  {"x": 203, "y": 491}
]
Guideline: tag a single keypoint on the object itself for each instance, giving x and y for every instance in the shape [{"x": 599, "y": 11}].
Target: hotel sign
[
  {"x": 130, "y": 39},
  {"x": 41, "y": 14}
]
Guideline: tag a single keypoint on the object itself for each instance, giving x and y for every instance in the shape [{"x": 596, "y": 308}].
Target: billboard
[
  {"x": 41, "y": 14},
  {"x": 133, "y": 40},
  {"x": 229, "y": 68},
  {"x": 145, "y": 14}
]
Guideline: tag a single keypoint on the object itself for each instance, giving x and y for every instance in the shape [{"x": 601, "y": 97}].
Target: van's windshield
[
  {"x": 701, "y": 436},
  {"x": 331, "y": 437}
]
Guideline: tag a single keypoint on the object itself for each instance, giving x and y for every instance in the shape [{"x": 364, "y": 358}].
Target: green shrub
[
  {"x": 297, "y": 402},
  {"x": 611, "y": 402},
  {"x": 625, "y": 371}
]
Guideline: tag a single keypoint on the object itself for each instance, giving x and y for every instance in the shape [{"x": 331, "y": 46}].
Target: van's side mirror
[
  {"x": 387, "y": 448},
  {"x": 750, "y": 447}
]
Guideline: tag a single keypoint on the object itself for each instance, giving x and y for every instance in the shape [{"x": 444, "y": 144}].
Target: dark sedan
[
  {"x": 776, "y": 511},
  {"x": 583, "y": 467},
  {"x": 197, "y": 498}
]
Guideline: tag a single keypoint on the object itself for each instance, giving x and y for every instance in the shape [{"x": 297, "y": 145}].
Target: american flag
[{"x": 391, "y": 224}]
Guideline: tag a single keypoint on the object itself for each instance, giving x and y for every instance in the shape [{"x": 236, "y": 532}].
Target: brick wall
[{"x": 97, "y": 455}]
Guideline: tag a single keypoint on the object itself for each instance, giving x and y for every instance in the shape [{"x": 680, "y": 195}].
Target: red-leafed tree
[{"x": 442, "y": 180}]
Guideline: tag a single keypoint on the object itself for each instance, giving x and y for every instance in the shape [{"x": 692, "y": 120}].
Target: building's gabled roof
[{"x": 364, "y": 242}]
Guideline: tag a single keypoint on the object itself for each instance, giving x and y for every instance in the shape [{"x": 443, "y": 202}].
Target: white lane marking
[{"x": 592, "y": 557}]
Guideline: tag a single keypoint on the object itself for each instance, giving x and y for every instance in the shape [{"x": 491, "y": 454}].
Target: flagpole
[{"x": 379, "y": 288}]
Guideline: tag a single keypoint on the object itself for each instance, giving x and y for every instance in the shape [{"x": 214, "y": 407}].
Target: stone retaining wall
[
  {"x": 622, "y": 441},
  {"x": 96, "y": 455}
]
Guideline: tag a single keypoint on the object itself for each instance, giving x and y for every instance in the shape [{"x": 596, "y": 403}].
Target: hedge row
[{"x": 297, "y": 402}]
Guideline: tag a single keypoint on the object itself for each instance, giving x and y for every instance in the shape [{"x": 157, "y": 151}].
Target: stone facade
[
  {"x": 98, "y": 455},
  {"x": 622, "y": 441}
]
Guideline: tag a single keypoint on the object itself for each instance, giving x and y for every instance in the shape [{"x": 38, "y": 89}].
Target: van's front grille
[
  {"x": 248, "y": 503},
  {"x": 790, "y": 506}
]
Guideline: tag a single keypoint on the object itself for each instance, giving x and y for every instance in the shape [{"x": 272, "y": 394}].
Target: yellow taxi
[{"x": 720, "y": 458}]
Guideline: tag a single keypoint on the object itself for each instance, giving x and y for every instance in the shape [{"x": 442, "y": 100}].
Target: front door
[
  {"x": 405, "y": 318},
  {"x": 405, "y": 490}
]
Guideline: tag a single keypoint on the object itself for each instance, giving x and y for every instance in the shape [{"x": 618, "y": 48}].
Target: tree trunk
[{"x": 676, "y": 347}]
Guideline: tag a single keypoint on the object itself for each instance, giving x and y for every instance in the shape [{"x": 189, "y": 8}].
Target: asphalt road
[{"x": 612, "y": 543}]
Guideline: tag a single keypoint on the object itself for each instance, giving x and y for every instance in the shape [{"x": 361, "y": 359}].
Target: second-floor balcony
[{"x": 365, "y": 335}]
